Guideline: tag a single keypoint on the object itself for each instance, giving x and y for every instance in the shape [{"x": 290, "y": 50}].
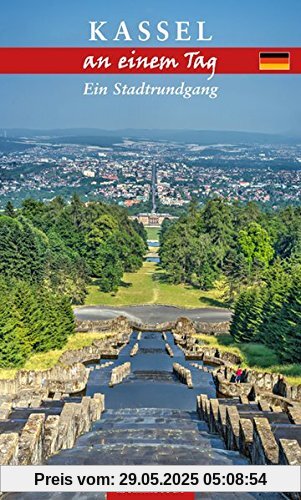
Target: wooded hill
[
  {"x": 255, "y": 254},
  {"x": 48, "y": 255}
]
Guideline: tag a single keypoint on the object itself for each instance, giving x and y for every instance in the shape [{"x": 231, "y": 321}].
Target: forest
[
  {"x": 255, "y": 254},
  {"x": 49, "y": 253}
]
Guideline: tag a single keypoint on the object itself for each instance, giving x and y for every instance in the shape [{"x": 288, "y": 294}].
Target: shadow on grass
[
  {"x": 124, "y": 284},
  {"x": 160, "y": 276},
  {"x": 259, "y": 355},
  {"x": 213, "y": 302}
]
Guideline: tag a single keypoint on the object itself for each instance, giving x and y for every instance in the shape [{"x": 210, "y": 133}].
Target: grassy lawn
[
  {"x": 45, "y": 360},
  {"x": 152, "y": 232},
  {"x": 147, "y": 287},
  {"x": 256, "y": 356}
]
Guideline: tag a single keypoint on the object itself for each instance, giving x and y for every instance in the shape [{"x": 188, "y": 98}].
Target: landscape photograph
[{"x": 150, "y": 262}]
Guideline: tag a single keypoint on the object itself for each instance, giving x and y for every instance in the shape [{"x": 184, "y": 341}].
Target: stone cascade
[
  {"x": 142, "y": 425},
  {"x": 48, "y": 430},
  {"x": 152, "y": 436},
  {"x": 135, "y": 349},
  {"x": 254, "y": 429},
  {"x": 183, "y": 374},
  {"x": 120, "y": 373},
  {"x": 169, "y": 350}
]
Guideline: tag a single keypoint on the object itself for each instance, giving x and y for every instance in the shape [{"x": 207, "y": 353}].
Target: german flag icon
[{"x": 274, "y": 61}]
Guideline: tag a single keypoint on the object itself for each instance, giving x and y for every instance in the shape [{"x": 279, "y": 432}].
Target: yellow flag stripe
[{"x": 269, "y": 66}]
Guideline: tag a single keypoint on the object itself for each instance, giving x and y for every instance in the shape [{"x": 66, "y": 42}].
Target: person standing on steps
[{"x": 238, "y": 375}]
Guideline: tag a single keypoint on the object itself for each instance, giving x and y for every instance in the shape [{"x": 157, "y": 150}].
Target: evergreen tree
[
  {"x": 254, "y": 243},
  {"x": 9, "y": 209},
  {"x": 247, "y": 317},
  {"x": 14, "y": 345}
]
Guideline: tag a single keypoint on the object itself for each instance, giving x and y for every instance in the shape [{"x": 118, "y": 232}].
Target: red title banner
[
  {"x": 151, "y": 60},
  {"x": 150, "y": 496}
]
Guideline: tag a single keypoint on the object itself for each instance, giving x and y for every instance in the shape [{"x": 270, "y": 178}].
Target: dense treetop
[
  {"x": 49, "y": 253},
  {"x": 256, "y": 253}
]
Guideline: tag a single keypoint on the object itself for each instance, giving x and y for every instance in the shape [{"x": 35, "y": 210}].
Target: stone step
[
  {"x": 248, "y": 407},
  {"x": 151, "y": 436},
  {"x": 7, "y": 426},
  {"x": 52, "y": 404},
  {"x": 156, "y": 454},
  {"x": 157, "y": 376},
  {"x": 271, "y": 416},
  {"x": 23, "y": 414},
  {"x": 287, "y": 431},
  {"x": 155, "y": 412},
  {"x": 149, "y": 424},
  {"x": 228, "y": 401}
]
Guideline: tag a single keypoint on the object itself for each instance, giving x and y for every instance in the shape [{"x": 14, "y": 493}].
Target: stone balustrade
[
  {"x": 119, "y": 325},
  {"x": 59, "y": 378},
  {"x": 119, "y": 373},
  {"x": 252, "y": 434},
  {"x": 169, "y": 350},
  {"x": 42, "y": 437},
  {"x": 183, "y": 374},
  {"x": 216, "y": 328}
]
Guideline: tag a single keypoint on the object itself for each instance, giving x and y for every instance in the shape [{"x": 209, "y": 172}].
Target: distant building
[
  {"x": 152, "y": 219},
  {"x": 89, "y": 173}
]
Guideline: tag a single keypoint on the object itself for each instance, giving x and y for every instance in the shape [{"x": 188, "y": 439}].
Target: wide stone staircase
[
  {"x": 148, "y": 436},
  {"x": 138, "y": 436}
]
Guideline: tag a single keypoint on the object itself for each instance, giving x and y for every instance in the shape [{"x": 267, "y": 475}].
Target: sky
[{"x": 262, "y": 103}]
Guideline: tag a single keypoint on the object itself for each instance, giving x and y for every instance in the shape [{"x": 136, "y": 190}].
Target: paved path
[{"x": 152, "y": 314}]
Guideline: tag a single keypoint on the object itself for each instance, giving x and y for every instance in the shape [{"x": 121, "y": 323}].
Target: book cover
[{"x": 150, "y": 249}]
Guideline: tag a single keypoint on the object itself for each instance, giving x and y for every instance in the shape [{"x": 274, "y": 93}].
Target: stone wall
[
  {"x": 119, "y": 373},
  {"x": 156, "y": 327},
  {"x": 260, "y": 382},
  {"x": 183, "y": 374},
  {"x": 184, "y": 328},
  {"x": 42, "y": 437},
  {"x": 117, "y": 325},
  {"x": 59, "y": 378},
  {"x": 216, "y": 328}
]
